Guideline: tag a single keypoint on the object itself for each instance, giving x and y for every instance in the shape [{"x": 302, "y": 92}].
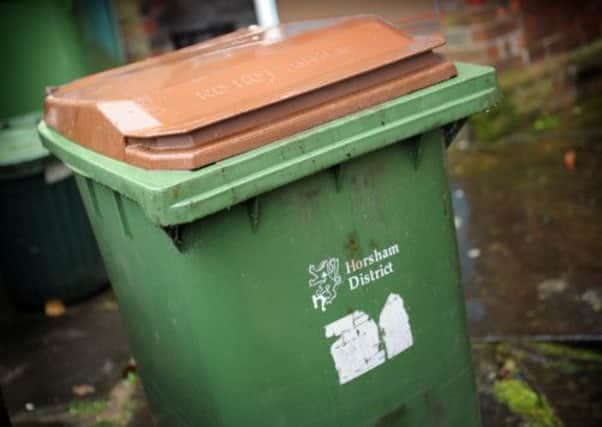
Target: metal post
[{"x": 267, "y": 13}]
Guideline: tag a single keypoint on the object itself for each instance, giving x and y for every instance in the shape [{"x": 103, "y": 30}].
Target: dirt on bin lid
[{"x": 225, "y": 96}]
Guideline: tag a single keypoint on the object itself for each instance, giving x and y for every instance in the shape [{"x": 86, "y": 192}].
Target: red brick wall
[
  {"x": 512, "y": 32},
  {"x": 483, "y": 32},
  {"x": 552, "y": 26}
]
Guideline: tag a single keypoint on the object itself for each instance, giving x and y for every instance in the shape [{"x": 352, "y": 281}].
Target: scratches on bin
[
  {"x": 352, "y": 244},
  {"x": 395, "y": 417},
  {"x": 435, "y": 410},
  {"x": 435, "y": 414}
]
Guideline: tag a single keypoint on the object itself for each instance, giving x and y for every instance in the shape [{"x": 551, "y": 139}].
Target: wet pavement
[
  {"x": 528, "y": 216},
  {"x": 73, "y": 370},
  {"x": 44, "y": 375},
  {"x": 88, "y": 344}
]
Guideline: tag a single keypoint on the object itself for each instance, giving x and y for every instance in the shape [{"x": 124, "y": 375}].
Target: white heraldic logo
[{"x": 324, "y": 279}]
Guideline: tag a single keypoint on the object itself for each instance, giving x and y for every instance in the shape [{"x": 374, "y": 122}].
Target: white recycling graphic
[{"x": 362, "y": 345}]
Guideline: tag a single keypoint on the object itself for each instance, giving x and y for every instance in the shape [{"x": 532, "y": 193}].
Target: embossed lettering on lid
[{"x": 195, "y": 106}]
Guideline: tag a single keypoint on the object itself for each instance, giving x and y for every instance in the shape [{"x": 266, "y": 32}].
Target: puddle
[{"x": 526, "y": 220}]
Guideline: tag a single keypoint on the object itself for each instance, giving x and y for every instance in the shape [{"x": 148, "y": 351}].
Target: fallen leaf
[
  {"x": 54, "y": 308},
  {"x": 550, "y": 287},
  {"x": 570, "y": 158},
  {"x": 593, "y": 299},
  {"x": 508, "y": 369},
  {"x": 107, "y": 305},
  {"x": 83, "y": 389}
]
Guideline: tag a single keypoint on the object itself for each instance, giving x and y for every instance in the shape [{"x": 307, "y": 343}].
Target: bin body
[
  {"x": 311, "y": 282},
  {"x": 47, "y": 249},
  {"x": 224, "y": 327},
  {"x": 71, "y": 38}
]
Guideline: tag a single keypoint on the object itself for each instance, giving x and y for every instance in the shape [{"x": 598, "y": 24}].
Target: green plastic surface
[
  {"x": 176, "y": 197},
  {"x": 222, "y": 322},
  {"x": 48, "y": 43},
  {"x": 47, "y": 249},
  {"x": 20, "y": 142}
]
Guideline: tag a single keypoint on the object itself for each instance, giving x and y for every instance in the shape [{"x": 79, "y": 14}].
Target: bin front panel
[
  {"x": 47, "y": 249},
  {"x": 332, "y": 301}
]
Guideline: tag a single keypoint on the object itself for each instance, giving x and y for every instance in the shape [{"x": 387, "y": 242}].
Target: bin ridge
[{"x": 178, "y": 197}]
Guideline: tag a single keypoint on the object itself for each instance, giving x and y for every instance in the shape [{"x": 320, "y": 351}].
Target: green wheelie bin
[
  {"x": 47, "y": 249},
  {"x": 276, "y": 266},
  {"x": 50, "y": 42}
]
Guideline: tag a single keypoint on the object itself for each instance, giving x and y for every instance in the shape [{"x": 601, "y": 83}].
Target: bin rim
[
  {"x": 173, "y": 197},
  {"x": 21, "y": 150}
]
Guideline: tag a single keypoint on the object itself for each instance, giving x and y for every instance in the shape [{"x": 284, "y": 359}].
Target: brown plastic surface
[{"x": 192, "y": 107}]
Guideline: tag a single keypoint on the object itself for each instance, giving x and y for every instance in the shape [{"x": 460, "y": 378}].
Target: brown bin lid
[{"x": 201, "y": 104}]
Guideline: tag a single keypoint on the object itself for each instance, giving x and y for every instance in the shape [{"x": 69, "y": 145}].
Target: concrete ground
[
  {"x": 75, "y": 371},
  {"x": 71, "y": 370}
]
